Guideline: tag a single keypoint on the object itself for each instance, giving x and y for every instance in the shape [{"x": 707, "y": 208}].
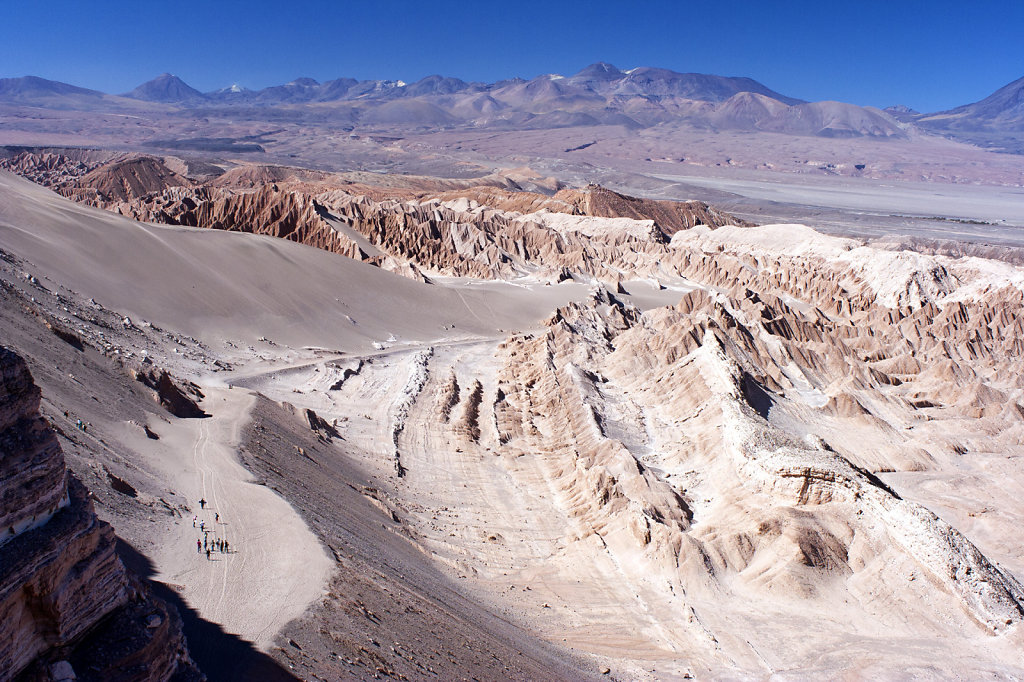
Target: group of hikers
[
  {"x": 208, "y": 544},
  {"x": 79, "y": 424}
]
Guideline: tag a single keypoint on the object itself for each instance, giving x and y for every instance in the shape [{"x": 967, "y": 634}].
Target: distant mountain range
[
  {"x": 599, "y": 94},
  {"x": 596, "y": 80}
]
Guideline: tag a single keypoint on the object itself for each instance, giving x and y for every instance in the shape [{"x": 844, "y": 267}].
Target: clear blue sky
[{"x": 929, "y": 55}]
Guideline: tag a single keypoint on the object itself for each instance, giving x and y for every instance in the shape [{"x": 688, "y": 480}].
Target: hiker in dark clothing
[
  {"x": 207, "y": 553},
  {"x": 202, "y": 503},
  {"x": 199, "y": 546}
]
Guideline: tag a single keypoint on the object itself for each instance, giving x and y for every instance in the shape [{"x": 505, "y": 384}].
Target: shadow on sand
[{"x": 223, "y": 657}]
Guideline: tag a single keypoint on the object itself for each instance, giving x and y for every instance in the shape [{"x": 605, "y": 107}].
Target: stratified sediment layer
[{"x": 60, "y": 578}]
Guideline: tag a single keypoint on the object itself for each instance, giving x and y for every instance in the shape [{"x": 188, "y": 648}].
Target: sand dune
[{"x": 218, "y": 284}]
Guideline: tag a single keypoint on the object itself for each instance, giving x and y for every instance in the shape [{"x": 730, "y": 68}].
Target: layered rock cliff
[{"x": 61, "y": 582}]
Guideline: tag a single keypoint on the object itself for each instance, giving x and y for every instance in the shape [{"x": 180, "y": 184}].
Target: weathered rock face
[
  {"x": 33, "y": 481},
  {"x": 669, "y": 216},
  {"x": 174, "y": 399},
  {"x": 58, "y": 571},
  {"x": 655, "y": 441},
  {"x": 597, "y": 201},
  {"x": 727, "y": 459},
  {"x": 485, "y": 231},
  {"x": 685, "y": 369},
  {"x": 60, "y": 172},
  {"x": 461, "y": 238},
  {"x": 269, "y": 211},
  {"x": 127, "y": 180},
  {"x": 60, "y": 577},
  {"x": 97, "y": 178},
  {"x": 58, "y": 581}
]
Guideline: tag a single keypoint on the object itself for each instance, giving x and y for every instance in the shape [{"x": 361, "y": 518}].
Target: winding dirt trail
[{"x": 275, "y": 567}]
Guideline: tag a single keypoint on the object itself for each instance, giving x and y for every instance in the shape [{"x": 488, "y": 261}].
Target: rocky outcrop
[
  {"x": 722, "y": 461},
  {"x": 320, "y": 426},
  {"x": 174, "y": 399},
  {"x": 487, "y": 231},
  {"x": 61, "y": 583},
  {"x": 468, "y": 240},
  {"x": 727, "y": 455},
  {"x": 269, "y": 211},
  {"x": 33, "y": 482},
  {"x": 675, "y": 385},
  {"x": 669, "y": 216},
  {"x": 126, "y": 181},
  {"x": 95, "y": 177},
  {"x": 49, "y": 169},
  {"x": 600, "y": 202}
]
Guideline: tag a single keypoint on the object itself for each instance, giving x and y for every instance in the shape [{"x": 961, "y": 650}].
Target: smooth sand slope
[
  {"x": 220, "y": 285},
  {"x": 274, "y": 567}
]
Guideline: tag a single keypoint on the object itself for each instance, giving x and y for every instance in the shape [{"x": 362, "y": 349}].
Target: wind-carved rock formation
[
  {"x": 399, "y": 412},
  {"x": 61, "y": 171},
  {"x": 676, "y": 385},
  {"x": 125, "y": 181},
  {"x": 268, "y": 211},
  {"x": 61, "y": 582},
  {"x": 487, "y": 231},
  {"x": 669, "y": 216},
  {"x": 575, "y": 232},
  {"x": 600, "y": 202},
  {"x": 95, "y": 177},
  {"x": 728, "y": 454},
  {"x": 475, "y": 241}
]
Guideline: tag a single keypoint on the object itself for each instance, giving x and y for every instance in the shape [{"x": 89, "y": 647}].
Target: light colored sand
[
  {"x": 221, "y": 285},
  {"x": 275, "y": 568}
]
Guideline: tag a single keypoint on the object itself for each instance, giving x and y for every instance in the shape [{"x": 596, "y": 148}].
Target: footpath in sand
[{"x": 274, "y": 568}]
